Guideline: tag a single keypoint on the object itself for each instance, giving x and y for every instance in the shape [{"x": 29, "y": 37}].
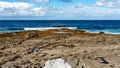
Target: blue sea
[{"x": 94, "y": 26}]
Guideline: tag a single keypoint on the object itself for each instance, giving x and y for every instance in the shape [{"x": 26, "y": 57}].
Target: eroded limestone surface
[{"x": 78, "y": 49}]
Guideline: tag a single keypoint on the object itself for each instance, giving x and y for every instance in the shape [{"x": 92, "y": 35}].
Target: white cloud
[
  {"x": 38, "y": 11},
  {"x": 118, "y": 1},
  {"x": 90, "y": 12},
  {"x": 112, "y": 4},
  {"x": 46, "y": 1},
  {"x": 16, "y": 5},
  {"x": 79, "y": 6},
  {"x": 74, "y": 11},
  {"x": 20, "y": 9},
  {"x": 101, "y": 2}
]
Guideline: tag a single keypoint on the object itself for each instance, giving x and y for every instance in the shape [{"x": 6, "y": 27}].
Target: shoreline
[
  {"x": 78, "y": 48},
  {"x": 14, "y": 30},
  {"x": 49, "y": 32}
]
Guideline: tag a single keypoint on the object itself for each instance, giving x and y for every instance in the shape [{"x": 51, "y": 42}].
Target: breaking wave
[
  {"x": 47, "y": 28},
  {"x": 32, "y": 28}
]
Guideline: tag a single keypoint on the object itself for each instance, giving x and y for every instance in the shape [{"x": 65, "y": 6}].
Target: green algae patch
[{"x": 68, "y": 46}]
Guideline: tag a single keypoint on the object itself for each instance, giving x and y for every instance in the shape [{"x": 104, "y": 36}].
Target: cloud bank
[
  {"x": 100, "y": 9},
  {"x": 46, "y": 1},
  {"x": 19, "y": 8},
  {"x": 114, "y": 3}
]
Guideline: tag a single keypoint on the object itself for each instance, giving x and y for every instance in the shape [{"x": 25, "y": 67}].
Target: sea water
[{"x": 94, "y": 26}]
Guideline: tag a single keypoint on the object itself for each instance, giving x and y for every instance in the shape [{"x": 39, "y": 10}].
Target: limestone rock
[
  {"x": 57, "y": 63},
  {"x": 8, "y": 65},
  {"x": 31, "y": 35}
]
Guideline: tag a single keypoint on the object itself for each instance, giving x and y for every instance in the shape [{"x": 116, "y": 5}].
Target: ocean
[{"x": 93, "y": 26}]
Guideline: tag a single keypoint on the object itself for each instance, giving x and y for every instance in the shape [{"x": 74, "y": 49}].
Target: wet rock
[
  {"x": 31, "y": 35},
  {"x": 101, "y": 33}
]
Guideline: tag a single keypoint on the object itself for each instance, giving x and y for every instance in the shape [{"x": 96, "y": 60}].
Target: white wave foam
[
  {"x": 107, "y": 31},
  {"x": 47, "y": 28}
]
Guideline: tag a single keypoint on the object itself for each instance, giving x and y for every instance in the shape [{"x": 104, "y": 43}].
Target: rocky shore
[{"x": 79, "y": 49}]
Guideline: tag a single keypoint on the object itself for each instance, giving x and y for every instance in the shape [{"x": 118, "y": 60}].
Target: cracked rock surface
[{"x": 77, "y": 49}]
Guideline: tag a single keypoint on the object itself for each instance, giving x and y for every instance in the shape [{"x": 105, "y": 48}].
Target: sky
[{"x": 59, "y": 9}]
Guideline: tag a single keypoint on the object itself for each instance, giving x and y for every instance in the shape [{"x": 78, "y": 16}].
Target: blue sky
[{"x": 60, "y": 9}]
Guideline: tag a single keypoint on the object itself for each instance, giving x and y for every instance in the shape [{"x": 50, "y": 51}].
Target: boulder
[{"x": 57, "y": 63}]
